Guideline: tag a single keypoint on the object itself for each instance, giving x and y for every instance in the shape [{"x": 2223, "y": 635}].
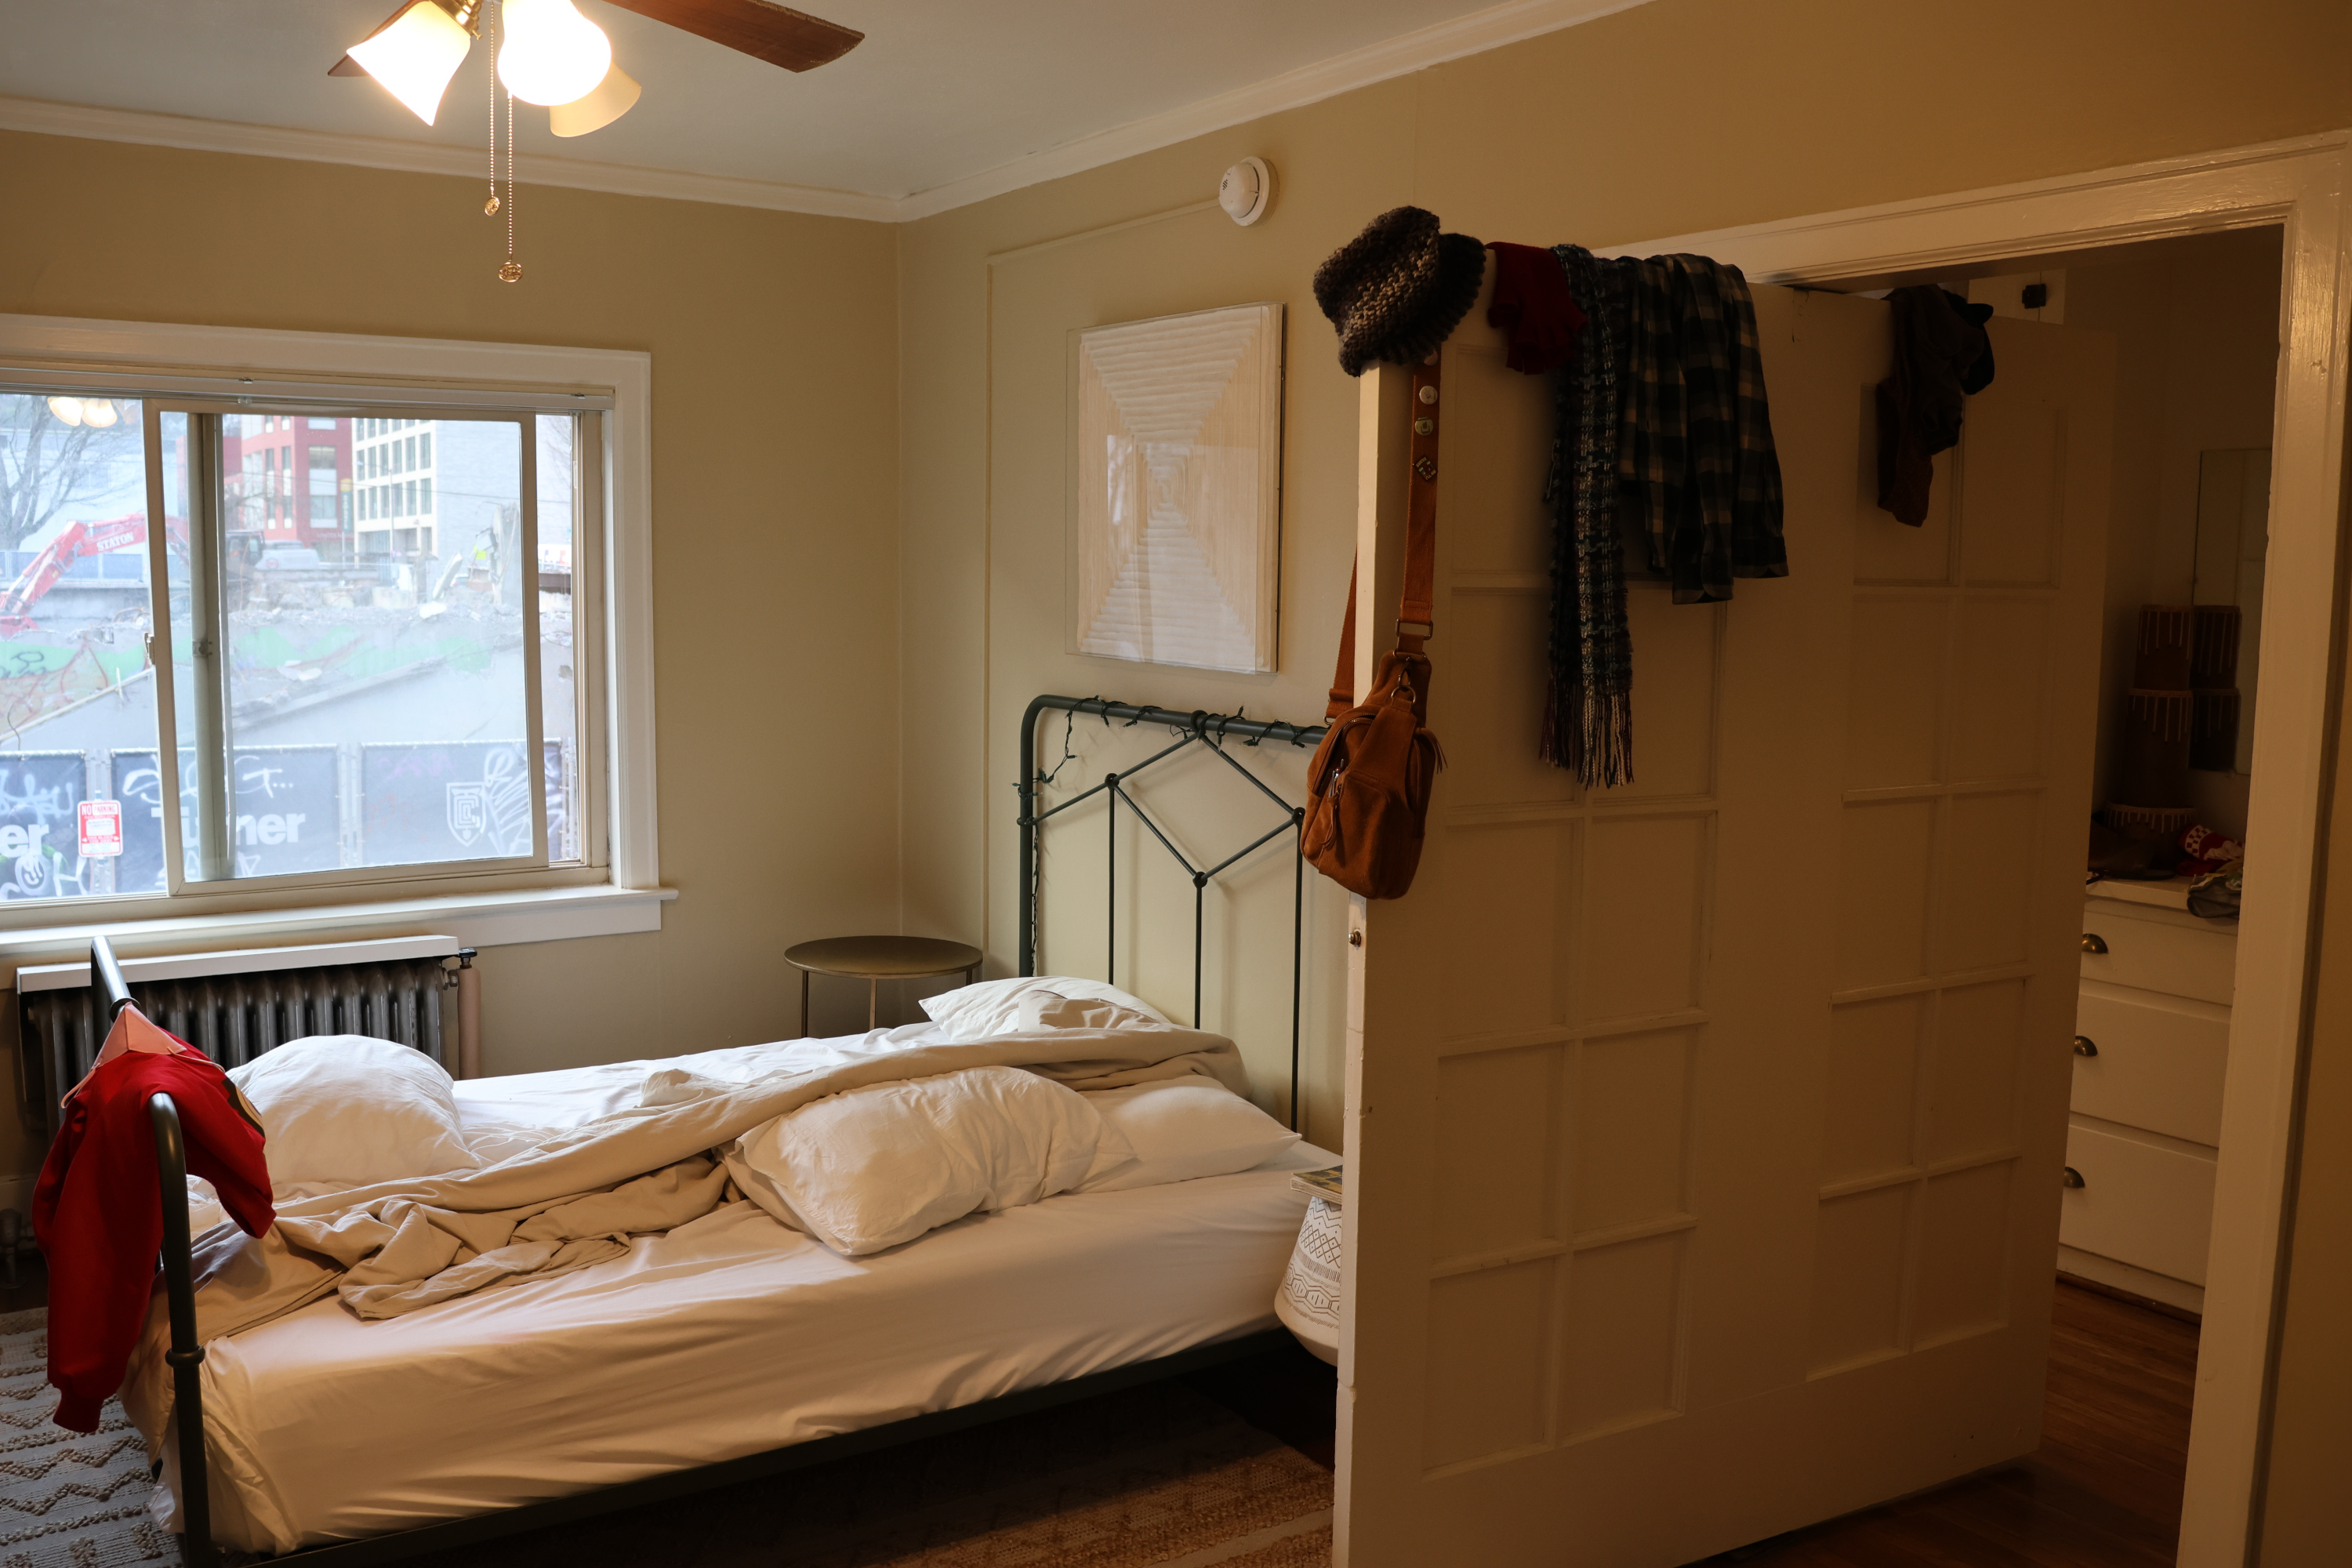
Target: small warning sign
[{"x": 100, "y": 822}]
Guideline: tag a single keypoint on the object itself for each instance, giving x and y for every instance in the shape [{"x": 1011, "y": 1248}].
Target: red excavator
[{"x": 74, "y": 542}]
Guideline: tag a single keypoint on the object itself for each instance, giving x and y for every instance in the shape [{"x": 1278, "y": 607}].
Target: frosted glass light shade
[
  {"x": 98, "y": 413},
  {"x": 414, "y": 57},
  {"x": 552, "y": 53},
  {"x": 67, "y": 409},
  {"x": 614, "y": 97}
]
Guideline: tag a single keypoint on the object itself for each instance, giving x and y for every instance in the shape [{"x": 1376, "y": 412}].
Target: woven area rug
[
  {"x": 1158, "y": 1477},
  {"x": 66, "y": 1500}
]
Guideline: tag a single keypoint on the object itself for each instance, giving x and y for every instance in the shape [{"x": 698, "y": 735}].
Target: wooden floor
[{"x": 2104, "y": 1491}]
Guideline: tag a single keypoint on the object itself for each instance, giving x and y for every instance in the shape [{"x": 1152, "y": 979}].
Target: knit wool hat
[{"x": 1397, "y": 290}]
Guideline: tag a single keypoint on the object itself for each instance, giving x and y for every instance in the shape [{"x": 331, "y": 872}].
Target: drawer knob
[
  {"x": 2093, "y": 942},
  {"x": 2085, "y": 1047},
  {"x": 2074, "y": 1178}
]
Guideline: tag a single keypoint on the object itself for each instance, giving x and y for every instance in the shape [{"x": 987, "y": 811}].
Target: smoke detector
[{"x": 1246, "y": 191}]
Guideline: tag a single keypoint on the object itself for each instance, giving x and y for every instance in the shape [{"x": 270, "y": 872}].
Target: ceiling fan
[{"x": 552, "y": 56}]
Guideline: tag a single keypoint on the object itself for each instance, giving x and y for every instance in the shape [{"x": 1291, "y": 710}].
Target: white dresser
[{"x": 2152, "y": 1042}]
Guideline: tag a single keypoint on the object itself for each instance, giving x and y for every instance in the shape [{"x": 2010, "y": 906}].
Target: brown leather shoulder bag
[{"x": 1373, "y": 775}]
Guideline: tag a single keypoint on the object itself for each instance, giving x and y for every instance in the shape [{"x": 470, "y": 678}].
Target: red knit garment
[
  {"x": 1533, "y": 303},
  {"x": 99, "y": 1215}
]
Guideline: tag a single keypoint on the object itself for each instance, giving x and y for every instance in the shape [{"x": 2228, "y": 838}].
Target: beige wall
[
  {"x": 2302, "y": 1503},
  {"x": 2195, "y": 327},
  {"x": 2304, "y": 1508},
  {"x": 1677, "y": 116},
  {"x": 775, "y": 570}
]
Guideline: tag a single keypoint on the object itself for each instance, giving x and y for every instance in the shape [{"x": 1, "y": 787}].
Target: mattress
[{"x": 726, "y": 1336}]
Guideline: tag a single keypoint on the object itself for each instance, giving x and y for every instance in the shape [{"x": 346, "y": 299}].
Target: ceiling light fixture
[
  {"x": 553, "y": 54},
  {"x": 67, "y": 409},
  {"x": 549, "y": 54},
  {"x": 97, "y": 413},
  {"x": 415, "y": 53},
  {"x": 611, "y": 100}
]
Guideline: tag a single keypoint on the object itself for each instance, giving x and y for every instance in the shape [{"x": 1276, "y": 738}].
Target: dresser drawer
[
  {"x": 2199, "y": 964},
  {"x": 2139, "y": 1203},
  {"x": 2159, "y": 1063}
]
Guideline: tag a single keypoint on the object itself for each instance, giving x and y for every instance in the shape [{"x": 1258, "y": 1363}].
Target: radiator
[{"x": 234, "y": 1006}]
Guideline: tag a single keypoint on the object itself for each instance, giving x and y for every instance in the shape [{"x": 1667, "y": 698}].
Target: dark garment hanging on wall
[
  {"x": 1942, "y": 358},
  {"x": 1588, "y": 721},
  {"x": 1695, "y": 453}
]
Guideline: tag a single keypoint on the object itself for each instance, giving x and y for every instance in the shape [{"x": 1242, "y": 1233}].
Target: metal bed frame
[
  {"x": 186, "y": 1353},
  {"x": 1195, "y": 729}
]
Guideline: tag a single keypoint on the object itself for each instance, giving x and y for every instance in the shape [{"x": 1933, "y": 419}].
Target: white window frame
[{"x": 621, "y": 894}]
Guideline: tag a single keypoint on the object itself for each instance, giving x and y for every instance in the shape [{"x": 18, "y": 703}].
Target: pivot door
[{"x": 1705, "y": 1133}]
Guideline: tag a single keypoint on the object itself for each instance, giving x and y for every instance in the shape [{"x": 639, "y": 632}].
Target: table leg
[
  {"x": 873, "y": 991},
  {"x": 804, "y": 1029}
]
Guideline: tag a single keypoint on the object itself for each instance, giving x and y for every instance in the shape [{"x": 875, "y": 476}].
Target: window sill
[{"x": 477, "y": 920}]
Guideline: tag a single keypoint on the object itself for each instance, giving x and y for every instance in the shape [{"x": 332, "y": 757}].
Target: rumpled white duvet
[{"x": 607, "y": 1305}]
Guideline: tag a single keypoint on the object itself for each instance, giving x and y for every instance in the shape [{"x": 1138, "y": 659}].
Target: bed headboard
[{"x": 1189, "y": 730}]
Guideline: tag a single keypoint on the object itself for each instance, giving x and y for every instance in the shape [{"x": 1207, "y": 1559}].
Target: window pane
[
  {"x": 375, "y": 706},
  {"x": 74, "y": 681},
  {"x": 559, "y": 692}
]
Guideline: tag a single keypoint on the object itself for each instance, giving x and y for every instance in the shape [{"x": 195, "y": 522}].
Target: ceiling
[{"x": 945, "y": 101}]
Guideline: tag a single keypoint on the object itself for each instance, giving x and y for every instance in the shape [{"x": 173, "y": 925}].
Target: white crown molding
[
  {"x": 1473, "y": 33},
  {"x": 428, "y": 158},
  {"x": 1400, "y": 56}
]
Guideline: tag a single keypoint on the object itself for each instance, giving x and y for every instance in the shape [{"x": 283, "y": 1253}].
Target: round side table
[{"x": 875, "y": 959}]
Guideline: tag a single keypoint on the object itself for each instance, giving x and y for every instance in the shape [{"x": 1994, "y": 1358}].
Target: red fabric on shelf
[
  {"x": 97, "y": 1212},
  {"x": 1533, "y": 304}
]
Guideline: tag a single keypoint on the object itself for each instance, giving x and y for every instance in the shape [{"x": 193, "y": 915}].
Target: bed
[
  {"x": 727, "y": 1337},
  {"x": 726, "y": 1347}
]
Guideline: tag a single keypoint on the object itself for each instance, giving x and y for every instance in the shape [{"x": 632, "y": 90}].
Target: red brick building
[{"x": 289, "y": 480}]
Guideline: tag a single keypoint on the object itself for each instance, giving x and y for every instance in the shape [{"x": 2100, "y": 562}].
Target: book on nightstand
[{"x": 1328, "y": 1185}]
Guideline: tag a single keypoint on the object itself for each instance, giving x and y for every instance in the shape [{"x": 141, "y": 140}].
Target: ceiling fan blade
[{"x": 776, "y": 34}]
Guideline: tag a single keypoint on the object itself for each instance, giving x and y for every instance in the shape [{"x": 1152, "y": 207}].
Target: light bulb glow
[
  {"x": 416, "y": 55},
  {"x": 67, "y": 409},
  {"x": 552, "y": 53},
  {"x": 97, "y": 413}
]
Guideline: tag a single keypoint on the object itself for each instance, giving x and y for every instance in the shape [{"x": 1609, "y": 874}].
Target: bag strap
[
  {"x": 1343, "y": 681},
  {"x": 1415, "y": 622}
]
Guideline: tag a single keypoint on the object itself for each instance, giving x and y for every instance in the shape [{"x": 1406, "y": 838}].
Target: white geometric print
[{"x": 1179, "y": 451}]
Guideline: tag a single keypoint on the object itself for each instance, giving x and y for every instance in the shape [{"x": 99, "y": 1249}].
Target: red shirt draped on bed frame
[{"x": 97, "y": 1210}]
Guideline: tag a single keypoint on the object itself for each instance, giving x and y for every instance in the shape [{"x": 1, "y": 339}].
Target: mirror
[{"x": 2233, "y": 509}]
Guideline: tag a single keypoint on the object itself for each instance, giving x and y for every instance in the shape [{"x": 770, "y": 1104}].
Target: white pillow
[
  {"x": 348, "y": 1110},
  {"x": 872, "y": 1167},
  {"x": 1185, "y": 1128},
  {"x": 993, "y": 1007}
]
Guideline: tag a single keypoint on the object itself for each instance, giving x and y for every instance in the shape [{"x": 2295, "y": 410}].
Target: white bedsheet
[{"x": 724, "y": 1337}]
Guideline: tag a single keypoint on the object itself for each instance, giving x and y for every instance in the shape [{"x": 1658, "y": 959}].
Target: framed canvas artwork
[{"x": 1176, "y": 486}]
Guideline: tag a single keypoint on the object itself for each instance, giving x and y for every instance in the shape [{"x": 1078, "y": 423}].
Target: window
[
  {"x": 322, "y": 481},
  {"x": 339, "y": 703}
]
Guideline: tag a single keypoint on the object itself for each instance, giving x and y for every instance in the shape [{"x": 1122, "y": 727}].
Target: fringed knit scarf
[{"x": 1588, "y": 709}]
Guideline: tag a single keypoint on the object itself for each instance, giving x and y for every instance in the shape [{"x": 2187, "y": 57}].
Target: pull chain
[
  {"x": 490, "y": 208},
  {"x": 511, "y": 271}
]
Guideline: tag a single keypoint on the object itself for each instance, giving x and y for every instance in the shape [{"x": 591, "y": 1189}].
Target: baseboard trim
[{"x": 2159, "y": 1292}]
